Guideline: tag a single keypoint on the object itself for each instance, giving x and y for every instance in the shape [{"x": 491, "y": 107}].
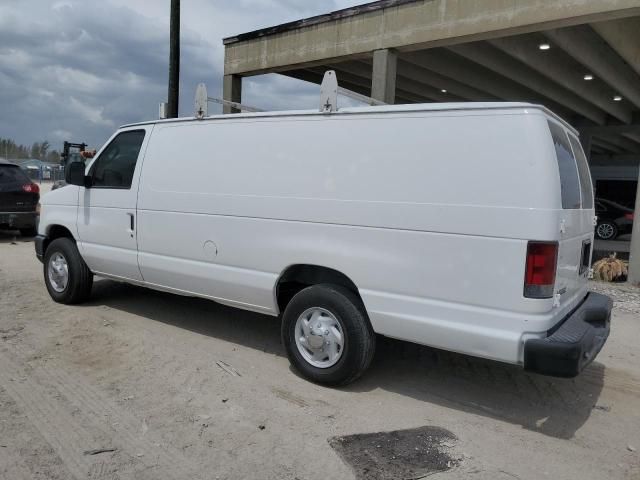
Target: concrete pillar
[
  {"x": 634, "y": 255},
  {"x": 383, "y": 79},
  {"x": 231, "y": 91}
]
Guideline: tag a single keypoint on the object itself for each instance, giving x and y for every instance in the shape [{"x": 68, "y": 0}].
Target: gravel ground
[
  {"x": 138, "y": 384},
  {"x": 625, "y": 296}
]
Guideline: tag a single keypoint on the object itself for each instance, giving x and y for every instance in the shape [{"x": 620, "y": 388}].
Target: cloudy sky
[{"x": 77, "y": 69}]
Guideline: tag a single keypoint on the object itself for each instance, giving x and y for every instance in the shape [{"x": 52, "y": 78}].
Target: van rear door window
[
  {"x": 569, "y": 180},
  {"x": 586, "y": 186}
]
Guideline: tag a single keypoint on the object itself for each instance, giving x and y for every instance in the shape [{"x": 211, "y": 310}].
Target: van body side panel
[
  {"x": 432, "y": 226},
  {"x": 61, "y": 208}
]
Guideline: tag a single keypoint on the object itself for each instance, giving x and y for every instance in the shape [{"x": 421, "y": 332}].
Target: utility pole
[{"x": 174, "y": 60}]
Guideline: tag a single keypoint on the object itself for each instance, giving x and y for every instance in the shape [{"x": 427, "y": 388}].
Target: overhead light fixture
[
  {"x": 617, "y": 98},
  {"x": 443, "y": 91},
  {"x": 588, "y": 77},
  {"x": 544, "y": 46}
]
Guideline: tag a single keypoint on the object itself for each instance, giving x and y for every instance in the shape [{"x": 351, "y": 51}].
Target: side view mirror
[{"x": 74, "y": 174}]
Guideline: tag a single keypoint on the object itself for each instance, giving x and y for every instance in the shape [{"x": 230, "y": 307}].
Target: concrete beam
[
  {"x": 383, "y": 78},
  {"x": 416, "y": 85},
  {"x": 231, "y": 91},
  {"x": 620, "y": 129},
  {"x": 479, "y": 77},
  {"x": 616, "y": 159},
  {"x": 607, "y": 145},
  {"x": 498, "y": 61},
  {"x": 350, "y": 82},
  {"x": 409, "y": 26},
  {"x": 404, "y": 85},
  {"x": 583, "y": 44},
  {"x": 440, "y": 82},
  {"x": 635, "y": 137},
  {"x": 620, "y": 141},
  {"x": 314, "y": 75},
  {"x": 624, "y": 37},
  {"x": 564, "y": 70}
]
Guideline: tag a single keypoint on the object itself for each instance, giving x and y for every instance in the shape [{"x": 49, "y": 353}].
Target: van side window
[
  {"x": 569, "y": 180},
  {"x": 117, "y": 163},
  {"x": 586, "y": 186}
]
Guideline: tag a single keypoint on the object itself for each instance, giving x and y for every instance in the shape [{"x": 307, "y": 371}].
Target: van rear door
[{"x": 576, "y": 219}]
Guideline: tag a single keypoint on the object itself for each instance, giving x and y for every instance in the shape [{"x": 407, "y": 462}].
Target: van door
[
  {"x": 107, "y": 207},
  {"x": 576, "y": 218}
]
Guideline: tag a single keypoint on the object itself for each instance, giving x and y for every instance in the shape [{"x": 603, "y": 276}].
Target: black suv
[
  {"x": 613, "y": 219},
  {"x": 19, "y": 198}
]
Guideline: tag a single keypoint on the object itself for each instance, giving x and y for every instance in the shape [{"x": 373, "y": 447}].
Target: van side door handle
[{"x": 131, "y": 223}]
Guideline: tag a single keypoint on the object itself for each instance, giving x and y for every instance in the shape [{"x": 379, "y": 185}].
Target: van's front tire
[
  {"x": 67, "y": 277},
  {"x": 327, "y": 335}
]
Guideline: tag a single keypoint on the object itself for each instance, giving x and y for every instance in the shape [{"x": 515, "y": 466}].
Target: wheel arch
[
  {"x": 296, "y": 277},
  {"x": 54, "y": 232}
]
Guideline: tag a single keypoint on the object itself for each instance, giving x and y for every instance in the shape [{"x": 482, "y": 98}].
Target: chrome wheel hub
[
  {"x": 58, "y": 272},
  {"x": 319, "y": 337}
]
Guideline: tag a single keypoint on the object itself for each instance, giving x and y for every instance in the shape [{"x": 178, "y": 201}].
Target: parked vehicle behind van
[
  {"x": 613, "y": 219},
  {"x": 465, "y": 227},
  {"x": 19, "y": 198}
]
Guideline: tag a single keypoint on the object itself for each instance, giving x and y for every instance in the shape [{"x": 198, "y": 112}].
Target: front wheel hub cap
[{"x": 58, "y": 272}]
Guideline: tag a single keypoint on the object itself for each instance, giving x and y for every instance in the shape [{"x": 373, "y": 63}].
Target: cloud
[{"x": 77, "y": 69}]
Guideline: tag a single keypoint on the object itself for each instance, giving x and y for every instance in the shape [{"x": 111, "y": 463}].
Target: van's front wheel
[
  {"x": 67, "y": 277},
  {"x": 327, "y": 335}
]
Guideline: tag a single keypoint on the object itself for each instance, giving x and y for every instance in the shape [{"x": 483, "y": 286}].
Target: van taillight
[{"x": 540, "y": 275}]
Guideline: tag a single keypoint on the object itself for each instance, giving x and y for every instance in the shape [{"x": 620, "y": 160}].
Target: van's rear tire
[
  {"x": 327, "y": 335},
  {"x": 67, "y": 277}
]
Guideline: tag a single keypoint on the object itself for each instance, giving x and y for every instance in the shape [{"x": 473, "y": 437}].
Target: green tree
[
  {"x": 35, "y": 150},
  {"x": 44, "y": 149},
  {"x": 53, "y": 156}
]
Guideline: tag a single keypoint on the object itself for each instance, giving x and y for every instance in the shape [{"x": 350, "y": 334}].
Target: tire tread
[
  {"x": 80, "y": 277},
  {"x": 360, "y": 348}
]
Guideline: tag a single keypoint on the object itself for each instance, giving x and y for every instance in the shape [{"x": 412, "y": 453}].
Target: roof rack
[{"x": 329, "y": 91}]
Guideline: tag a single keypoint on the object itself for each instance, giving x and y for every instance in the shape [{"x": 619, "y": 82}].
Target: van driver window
[{"x": 117, "y": 163}]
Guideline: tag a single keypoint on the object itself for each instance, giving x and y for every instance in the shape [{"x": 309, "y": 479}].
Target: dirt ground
[{"x": 146, "y": 385}]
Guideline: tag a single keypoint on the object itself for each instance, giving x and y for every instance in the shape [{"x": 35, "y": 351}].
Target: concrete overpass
[{"x": 581, "y": 58}]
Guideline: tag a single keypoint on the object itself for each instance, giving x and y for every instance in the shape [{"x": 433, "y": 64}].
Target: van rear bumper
[{"x": 572, "y": 344}]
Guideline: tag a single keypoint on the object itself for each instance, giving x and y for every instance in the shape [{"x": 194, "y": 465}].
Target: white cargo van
[{"x": 466, "y": 227}]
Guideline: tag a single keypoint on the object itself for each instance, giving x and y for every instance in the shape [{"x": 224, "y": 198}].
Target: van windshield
[{"x": 569, "y": 179}]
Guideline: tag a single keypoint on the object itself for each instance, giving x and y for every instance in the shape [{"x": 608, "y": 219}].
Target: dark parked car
[
  {"x": 19, "y": 198},
  {"x": 613, "y": 219}
]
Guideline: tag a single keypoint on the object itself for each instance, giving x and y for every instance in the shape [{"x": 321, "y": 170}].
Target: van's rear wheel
[
  {"x": 67, "y": 277},
  {"x": 327, "y": 335}
]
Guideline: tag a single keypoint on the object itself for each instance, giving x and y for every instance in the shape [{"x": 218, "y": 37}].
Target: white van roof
[{"x": 419, "y": 107}]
